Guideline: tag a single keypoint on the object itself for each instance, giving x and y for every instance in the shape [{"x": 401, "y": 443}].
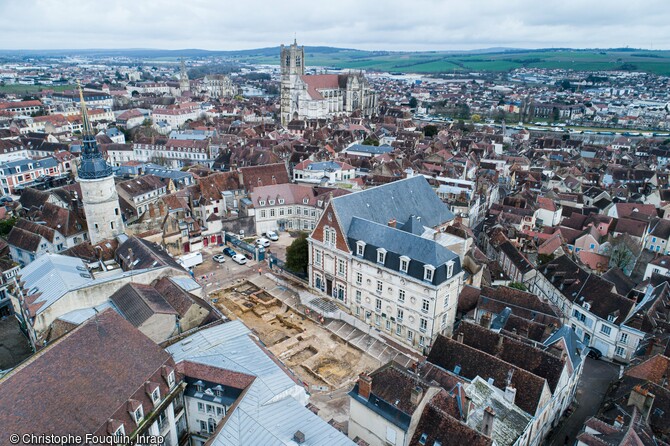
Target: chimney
[
  {"x": 487, "y": 421},
  {"x": 299, "y": 437},
  {"x": 510, "y": 393},
  {"x": 415, "y": 395},
  {"x": 393, "y": 223},
  {"x": 642, "y": 399},
  {"x": 485, "y": 320},
  {"x": 618, "y": 423},
  {"x": 459, "y": 337},
  {"x": 364, "y": 385},
  {"x": 466, "y": 408}
]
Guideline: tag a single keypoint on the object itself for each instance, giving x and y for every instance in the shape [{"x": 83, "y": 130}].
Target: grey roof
[
  {"x": 137, "y": 303},
  {"x": 9, "y": 168},
  {"x": 162, "y": 172},
  {"x": 273, "y": 407},
  {"x": 574, "y": 345},
  {"x": 375, "y": 150},
  {"x": 398, "y": 200},
  {"x": 93, "y": 165},
  {"x": 325, "y": 165}
]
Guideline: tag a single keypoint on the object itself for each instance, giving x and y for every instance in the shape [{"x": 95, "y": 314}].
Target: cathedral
[
  {"x": 98, "y": 190},
  {"x": 322, "y": 95}
]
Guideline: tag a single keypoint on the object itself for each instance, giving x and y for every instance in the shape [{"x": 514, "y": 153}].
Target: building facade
[{"x": 320, "y": 96}]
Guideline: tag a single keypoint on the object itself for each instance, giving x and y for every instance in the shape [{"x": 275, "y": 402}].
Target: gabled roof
[
  {"x": 89, "y": 374},
  {"x": 137, "y": 303}
]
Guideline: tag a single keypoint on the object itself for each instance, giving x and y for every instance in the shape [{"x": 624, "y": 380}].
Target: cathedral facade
[{"x": 323, "y": 95}]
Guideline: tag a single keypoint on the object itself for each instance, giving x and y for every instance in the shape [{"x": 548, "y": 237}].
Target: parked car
[
  {"x": 219, "y": 258},
  {"x": 229, "y": 251},
  {"x": 594, "y": 353},
  {"x": 263, "y": 242},
  {"x": 272, "y": 235},
  {"x": 239, "y": 258}
]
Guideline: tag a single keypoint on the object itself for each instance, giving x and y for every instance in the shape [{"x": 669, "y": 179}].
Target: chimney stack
[
  {"x": 642, "y": 399},
  {"x": 364, "y": 385},
  {"x": 487, "y": 421},
  {"x": 299, "y": 437},
  {"x": 485, "y": 320},
  {"x": 393, "y": 223},
  {"x": 415, "y": 395},
  {"x": 459, "y": 337},
  {"x": 510, "y": 393},
  {"x": 618, "y": 423}
]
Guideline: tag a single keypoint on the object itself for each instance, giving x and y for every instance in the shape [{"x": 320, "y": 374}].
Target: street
[{"x": 591, "y": 390}]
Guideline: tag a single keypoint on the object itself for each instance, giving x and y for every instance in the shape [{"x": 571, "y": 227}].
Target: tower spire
[
  {"x": 84, "y": 112},
  {"x": 93, "y": 165}
]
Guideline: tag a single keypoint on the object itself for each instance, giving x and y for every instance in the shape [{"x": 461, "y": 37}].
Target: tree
[
  {"x": 370, "y": 142},
  {"x": 476, "y": 118},
  {"x": 430, "y": 130},
  {"x": 622, "y": 258},
  {"x": 413, "y": 102},
  {"x": 297, "y": 254},
  {"x": 6, "y": 226},
  {"x": 518, "y": 286}
]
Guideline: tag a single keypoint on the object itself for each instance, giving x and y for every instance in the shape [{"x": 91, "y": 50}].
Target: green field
[
  {"x": 25, "y": 90},
  {"x": 656, "y": 62}
]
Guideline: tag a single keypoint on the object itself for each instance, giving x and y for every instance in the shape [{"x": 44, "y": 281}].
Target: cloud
[{"x": 364, "y": 24}]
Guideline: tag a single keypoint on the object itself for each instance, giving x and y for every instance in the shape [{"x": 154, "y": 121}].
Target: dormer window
[
  {"x": 404, "y": 263},
  {"x": 170, "y": 379},
  {"x": 360, "y": 248},
  {"x": 199, "y": 386},
  {"x": 450, "y": 269},
  {"x": 428, "y": 272},
  {"x": 120, "y": 432},
  {"x": 381, "y": 255},
  {"x": 611, "y": 318},
  {"x": 138, "y": 414},
  {"x": 305, "y": 200},
  {"x": 281, "y": 201},
  {"x": 156, "y": 395},
  {"x": 261, "y": 202},
  {"x": 587, "y": 306}
]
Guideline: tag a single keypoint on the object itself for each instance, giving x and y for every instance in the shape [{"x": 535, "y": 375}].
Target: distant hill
[{"x": 490, "y": 59}]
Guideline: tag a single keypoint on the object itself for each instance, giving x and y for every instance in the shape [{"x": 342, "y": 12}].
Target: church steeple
[{"x": 93, "y": 165}]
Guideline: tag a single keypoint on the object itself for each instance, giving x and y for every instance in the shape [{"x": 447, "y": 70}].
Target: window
[
  {"x": 444, "y": 321},
  {"x": 340, "y": 267},
  {"x": 219, "y": 411},
  {"x": 263, "y": 213},
  {"x": 156, "y": 395},
  {"x": 450, "y": 269},
  {"x": 378, "y": 320},
  {"x": 201, "y": 407},
  {"x": 171, "y": 379},
  {"x": 359, "y": 279},
  {"x": 425, "y": 306},
  {"x": 138, "y": 414},
  {"x": 398, "y": 329},
  {"x": 120, "y": 432},
  {"x": 111, "y": 225},
  {"x": 203, "y": 426},
  {"x": 606, "y": 329},
  {"x": 620, "y": 352},
  {"x": 388, "y": 324},
  {"x": 281, "y": 201},
  {"x": 611, "y": 318},
  {"x": 210, "y": 408},
  {"x": 624, "y": 338},
  {"x": 358, "y": 296},
  {"x": 421, "y": 341},
  {"x": 360, "y": 248},
  {"x": 401, "y": 296},
  {"x": 381, "y": 255},
  {"x": 272, "y": 212},
  {"x": 317, "y": 257},
  {"x": 271, "y": 202},
  {"x": 410, "y": 335},
  {"x": 400, "y": 314},
  {"x": 423, "y": 325},
  {"x": 428, "y": 271},
  {"x": 404, "y": 263},
  {"x": 305, "y": 201},
  {"x": 378, "y": 304}
]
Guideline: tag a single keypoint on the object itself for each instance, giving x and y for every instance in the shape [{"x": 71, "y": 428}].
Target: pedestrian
[{"x": 259, "y": 271}]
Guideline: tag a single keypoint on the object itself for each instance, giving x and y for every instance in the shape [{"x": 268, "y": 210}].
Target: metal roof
[{"x": 273, "y": 408}]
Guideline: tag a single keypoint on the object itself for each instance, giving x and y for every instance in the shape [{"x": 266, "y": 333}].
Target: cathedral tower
[
  {"x": 98, "y": 191},
  {"x": 184, "y": 84},
  {"x": 292, "y": 59}
]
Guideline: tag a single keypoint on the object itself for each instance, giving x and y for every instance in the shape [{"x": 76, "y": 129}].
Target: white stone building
[{"x": 377, "y": 253}]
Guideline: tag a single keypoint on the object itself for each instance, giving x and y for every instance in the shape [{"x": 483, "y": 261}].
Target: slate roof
[
  {"x": 374, "y": 150},
  {"x": 438, "y": 426},
  {"x": 397, "y": 200},
  {"x": 137, "y": 303},
  {"x": 89, "y": 375},
  {"x": 398, "y": 243},
  {"x": 145, "y": 254}
]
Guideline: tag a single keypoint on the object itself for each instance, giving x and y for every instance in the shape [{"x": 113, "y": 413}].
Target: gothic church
[{"x": 323, "y": 95}]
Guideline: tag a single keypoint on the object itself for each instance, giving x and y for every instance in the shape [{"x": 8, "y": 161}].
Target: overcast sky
[{"x": 363, "y": 24}]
